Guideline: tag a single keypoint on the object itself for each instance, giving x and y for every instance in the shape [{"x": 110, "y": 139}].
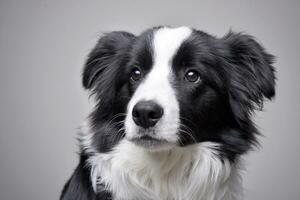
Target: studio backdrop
[{"x": 43, "y": 46}]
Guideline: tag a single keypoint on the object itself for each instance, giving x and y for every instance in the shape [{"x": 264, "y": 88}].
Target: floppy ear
[
  {"x": 105, "y": 57},
  {"x": 251, "y": 75}
]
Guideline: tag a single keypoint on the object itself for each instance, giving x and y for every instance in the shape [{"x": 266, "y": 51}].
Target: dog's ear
[
  {"x": 251, "y": 74},
  {"x": 102, "y": 60}
]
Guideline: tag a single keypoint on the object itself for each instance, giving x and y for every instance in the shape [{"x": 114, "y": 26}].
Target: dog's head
[{"x": 177, "y": 86}]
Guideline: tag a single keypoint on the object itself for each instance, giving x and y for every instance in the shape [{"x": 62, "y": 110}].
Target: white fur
[
  {"x": 194, "y": 173},
  {"x": 157, "y": 85}
]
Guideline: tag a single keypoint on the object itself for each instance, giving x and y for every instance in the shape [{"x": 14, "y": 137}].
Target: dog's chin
[{"x": 151, "y": 143}]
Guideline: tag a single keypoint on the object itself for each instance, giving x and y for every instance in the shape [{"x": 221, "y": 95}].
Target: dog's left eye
[
  {"x": 136, "y": 75},
  {"x": 192, "y": 76}
]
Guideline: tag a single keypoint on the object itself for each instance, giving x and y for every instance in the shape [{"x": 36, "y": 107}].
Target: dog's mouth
[{"x": 151, "y": 142}]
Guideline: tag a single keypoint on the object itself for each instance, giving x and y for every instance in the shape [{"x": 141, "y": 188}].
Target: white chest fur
[{"x": 193, "y": 173}]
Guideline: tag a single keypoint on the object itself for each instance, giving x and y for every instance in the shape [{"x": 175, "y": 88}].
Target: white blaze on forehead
[
  {"x": 166, "y": 43},
  {"x": 157, "y": 86}
]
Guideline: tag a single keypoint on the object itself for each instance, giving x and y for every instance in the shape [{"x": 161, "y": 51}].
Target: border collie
[{"x": 172, "y": 116}]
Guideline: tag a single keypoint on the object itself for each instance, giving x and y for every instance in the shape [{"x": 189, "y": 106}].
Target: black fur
[
  {"x": 79, "y": 186},
  {"x": 236, "y": 75}
]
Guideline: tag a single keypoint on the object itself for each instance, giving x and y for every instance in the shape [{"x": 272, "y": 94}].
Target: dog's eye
[
  {"x": 136, "y": 74},
  {"x": 192, "y": 76}
]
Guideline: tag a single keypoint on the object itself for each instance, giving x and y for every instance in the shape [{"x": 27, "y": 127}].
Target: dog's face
[
  {"x": 177, "y": 86},
  {"x": 171, "y": 95}
]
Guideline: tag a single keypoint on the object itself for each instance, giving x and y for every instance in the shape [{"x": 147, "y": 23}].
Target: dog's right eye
[
  {"x": 192, "y": 76},
  {"x": 136, "y": 75}
]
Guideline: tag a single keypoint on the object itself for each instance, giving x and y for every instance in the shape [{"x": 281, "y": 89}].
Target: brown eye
[
  {"x": 135, "y": 74},
  {"x": 192, "y": 76}
]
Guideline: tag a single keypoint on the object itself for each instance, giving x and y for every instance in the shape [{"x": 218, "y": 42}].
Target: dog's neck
[{"x": 194, "y": 172}]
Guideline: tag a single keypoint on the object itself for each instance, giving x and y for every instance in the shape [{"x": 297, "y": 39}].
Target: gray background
[{"x": 43, "y": 45}]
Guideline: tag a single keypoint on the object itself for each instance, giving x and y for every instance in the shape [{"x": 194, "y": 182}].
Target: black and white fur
[{"x": 194, "y": 151}]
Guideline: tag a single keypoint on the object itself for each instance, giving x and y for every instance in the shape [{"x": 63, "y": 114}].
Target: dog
[{"x": 173, "y": 115}]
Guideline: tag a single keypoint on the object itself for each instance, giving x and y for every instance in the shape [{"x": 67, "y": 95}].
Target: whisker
[
  {"x": 188, "y": 131},
  {"x": 186, "y": 127},
  {"x": 188, "y": 120},
  {"x": 180, "y": 141},
  {"x": 189, "y": 134},
  {"x": 113, "y": 118},
  {"x": 117, "y": 135}
]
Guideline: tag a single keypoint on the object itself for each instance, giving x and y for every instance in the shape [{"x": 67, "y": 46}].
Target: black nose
[{"x": 146, "y": 113}]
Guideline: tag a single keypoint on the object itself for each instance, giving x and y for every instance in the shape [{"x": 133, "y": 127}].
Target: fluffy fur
[{"x": 207, "y": 88}]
